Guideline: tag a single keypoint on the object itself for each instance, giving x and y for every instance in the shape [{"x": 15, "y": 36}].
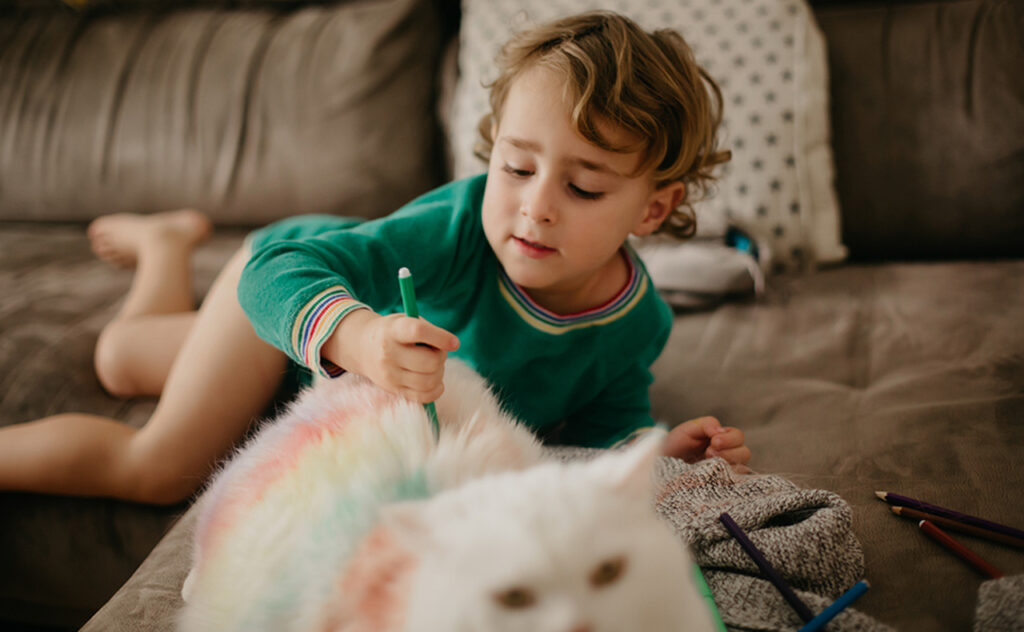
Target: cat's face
[{"x": 557, "y": 548}]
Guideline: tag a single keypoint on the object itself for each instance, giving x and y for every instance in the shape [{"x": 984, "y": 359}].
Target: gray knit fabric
[
  {"x": 804, "y": 533},
  {"x": 1000, "y": 605}
]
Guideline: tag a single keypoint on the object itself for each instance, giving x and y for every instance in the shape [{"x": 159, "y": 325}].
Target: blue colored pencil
[
  {"x": 412, "y": 311},
  {"x": 844, "y": 601},
  {"x": 767, "y": 569}
]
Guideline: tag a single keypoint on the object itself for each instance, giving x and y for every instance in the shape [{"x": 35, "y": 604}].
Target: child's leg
[
  {"x": 222, "y": 378},
  {"x": 135, "y": 350},
  {"x": 134, "y": 355}
]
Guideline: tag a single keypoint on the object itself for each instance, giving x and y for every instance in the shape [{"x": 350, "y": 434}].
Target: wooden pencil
[
  {"x": 767, "y": 569},
  {"x": 960, "y": 550},
  {"x": 920, "y": 505},
  {"x": 953, "y": 525}
]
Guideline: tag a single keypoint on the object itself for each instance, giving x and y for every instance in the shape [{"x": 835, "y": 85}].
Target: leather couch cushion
[
  {"x": 870, "y": 377},
  {"x": 928, "y": 127},
  {"x": 250, "y": 114}
]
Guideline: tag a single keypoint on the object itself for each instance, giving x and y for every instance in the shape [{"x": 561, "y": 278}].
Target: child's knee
[
  {"x": 157, "y": 480},
  {"x": 164, "y": 488},
  {"x": 110, "y": 363}
]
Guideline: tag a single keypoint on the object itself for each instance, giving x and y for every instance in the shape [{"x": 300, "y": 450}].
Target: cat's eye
[
  {"x": 607, "y": 572},
  {"x": 515, "y": 598}
]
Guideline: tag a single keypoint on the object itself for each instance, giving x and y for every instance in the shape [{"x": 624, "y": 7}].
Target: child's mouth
[{"x": 532, "y": 249}]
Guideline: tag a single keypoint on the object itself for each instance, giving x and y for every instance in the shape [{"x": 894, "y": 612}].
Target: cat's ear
[
  {"x": 631, "y": 470},
  {"x": 409, "y": 523}
]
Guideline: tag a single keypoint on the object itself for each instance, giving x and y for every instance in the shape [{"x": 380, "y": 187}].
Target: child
[{"x": 598, "y": 130}]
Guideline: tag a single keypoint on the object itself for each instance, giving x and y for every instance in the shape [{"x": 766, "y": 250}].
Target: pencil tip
[
  {"x": 880, "y": 495},
  {"x": 895, "y": 510}
]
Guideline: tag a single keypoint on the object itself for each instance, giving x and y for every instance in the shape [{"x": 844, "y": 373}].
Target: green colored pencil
[
  {"x": 412, "y": 311},
  {"x": 702, "y": 585}
]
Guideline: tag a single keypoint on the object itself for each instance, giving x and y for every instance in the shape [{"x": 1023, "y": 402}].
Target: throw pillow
[{"x": 768, "y": 57}]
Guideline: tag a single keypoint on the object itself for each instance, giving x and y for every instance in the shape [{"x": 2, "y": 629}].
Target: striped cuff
[{"x": 315, "y": 324}]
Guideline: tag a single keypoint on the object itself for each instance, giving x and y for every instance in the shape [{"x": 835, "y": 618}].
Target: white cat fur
[{"x": 501, "y": 518}]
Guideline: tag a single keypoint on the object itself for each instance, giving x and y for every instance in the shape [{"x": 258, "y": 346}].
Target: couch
[{"x": 900, "y": 368}]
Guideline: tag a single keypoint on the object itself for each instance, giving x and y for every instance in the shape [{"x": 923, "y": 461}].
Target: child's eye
[
  {"x": 519, "y": 173},
  {"x": 586, "y": 195}
]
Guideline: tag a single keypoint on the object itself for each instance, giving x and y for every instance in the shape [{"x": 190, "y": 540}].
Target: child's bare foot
[{"x": 118, "y": 238}]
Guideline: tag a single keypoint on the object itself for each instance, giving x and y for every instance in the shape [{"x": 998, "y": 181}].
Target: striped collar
[{"x": 550, "y": 322}]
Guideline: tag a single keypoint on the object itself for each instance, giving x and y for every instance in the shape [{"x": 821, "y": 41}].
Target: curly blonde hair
[{"x": 645, "y": 83}]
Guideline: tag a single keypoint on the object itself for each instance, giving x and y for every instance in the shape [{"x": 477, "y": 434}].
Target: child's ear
[{"x": 660, "y": 205}]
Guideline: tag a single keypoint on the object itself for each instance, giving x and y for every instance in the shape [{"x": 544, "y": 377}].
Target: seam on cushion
[
  {"x": 62, "y": 88},
  {"x": 21, "y": 80},
  {"x": 972, "y": 52},
  {"x": 251, "y": 81},
  {"x": 202, "y": 50},
  {"x": 130, "y": 59}
]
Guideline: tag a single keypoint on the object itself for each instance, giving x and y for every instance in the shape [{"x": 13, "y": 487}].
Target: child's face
[{"x": 557, "y": 208}]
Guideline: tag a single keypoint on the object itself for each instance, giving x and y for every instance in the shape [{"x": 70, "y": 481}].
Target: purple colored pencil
[
  {"x": 920, "y": 505},
  {"x": 767, "y": 569}
]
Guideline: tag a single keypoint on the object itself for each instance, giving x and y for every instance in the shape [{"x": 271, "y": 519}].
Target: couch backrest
[
  {"x": 267, "y": 109},
  {"x": 251, "y": 111},
  {"x": 928, "y": 126}
]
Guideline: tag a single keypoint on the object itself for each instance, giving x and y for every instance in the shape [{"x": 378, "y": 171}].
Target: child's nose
[
  {"x": 536, "y": 214},
  {"x": 538, "y": 206}
]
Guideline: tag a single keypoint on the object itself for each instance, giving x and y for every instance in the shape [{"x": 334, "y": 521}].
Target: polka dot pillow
[{"x": 767, "y": 56}]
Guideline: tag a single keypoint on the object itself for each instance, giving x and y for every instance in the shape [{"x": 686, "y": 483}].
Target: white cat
[{"x": 345, "y": 515}]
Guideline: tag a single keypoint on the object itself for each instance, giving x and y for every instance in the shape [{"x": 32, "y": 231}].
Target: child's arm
[
  {"x": 299, "y": 292},
  {"x": 316, "y": 299}
]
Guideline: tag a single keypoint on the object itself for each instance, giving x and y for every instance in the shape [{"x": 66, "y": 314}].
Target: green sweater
[{"x": 589, "y": 370}]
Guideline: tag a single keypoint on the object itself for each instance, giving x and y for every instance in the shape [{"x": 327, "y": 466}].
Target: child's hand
[
  {"x": 402, "y": 355},
  {"x": 703, "y": 438}
]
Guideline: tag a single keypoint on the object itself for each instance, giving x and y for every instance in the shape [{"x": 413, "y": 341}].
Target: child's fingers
[
  {"x": 703, "y": 427},
  {"x": 418, "y": 331},
  {"x": 417, "y": 372},
  {"x": 419, "y": 359},
  {"x": 687, "y": 441},
  {"x": 740, "y": 455},
  {"x": 421, "y": 388},
  {"x": 727, "y": 438},
  {"x": 729, "y": 444},
  {"x": 422, "y": 397}
]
